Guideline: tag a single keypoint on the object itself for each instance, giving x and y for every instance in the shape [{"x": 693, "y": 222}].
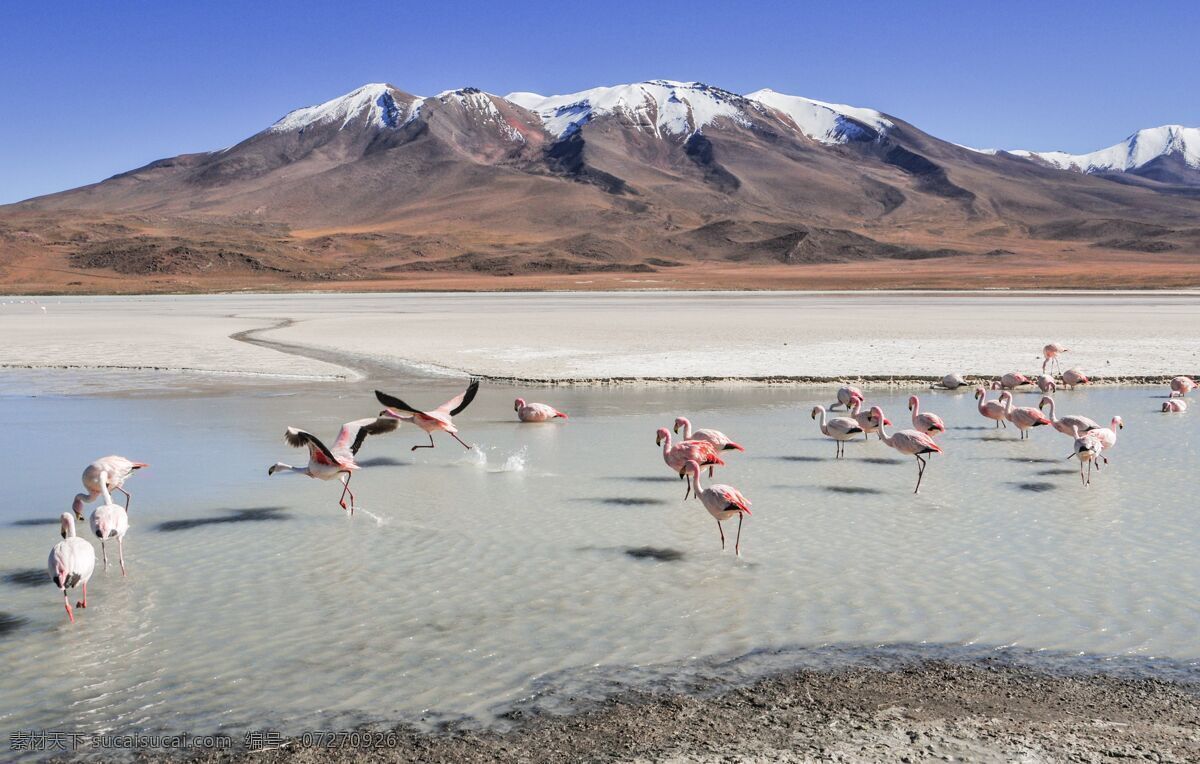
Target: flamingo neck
[
  {"x": 883, "y": 432},
  {"x": 104, "y": 488},
  {"x": 696, "y": 487},
  {"x": 666, "y": 444},
  {"x": 687, "y": 428}
]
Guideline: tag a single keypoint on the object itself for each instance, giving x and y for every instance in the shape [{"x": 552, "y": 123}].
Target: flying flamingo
[
  {"x": 1011, "y": 381},
  {"x": 1086, "y": 449},
  {"x": 930, "y": 424},
  {"x": 1181, "y": 386},
  {"x": 720, "y": 440},
  {"x": 865, "y": 420},
  {"x": 1108, "y": 435},
  {"x": 1068, "y": 424},
  {"x": 1050, "y": 353},
  {"x": 117, "y": 470},
  {"x": 722, "y": 502},
  {"x": 431, "y": 421},
  {"x": 909, "y": 442},
  {"x": 1073, "y": 377},
  {"x": 840, "y": 428},
  {"x": 1046, "y": 384},
  {"x": 990, "y": 409},
  {"x": 71, "y": 563},
  {"x": 679, "y": 454},
  {"x": 534, "y": 412},
  {"x": 325, "y": 463},
  {"x": 110, "y": 521},
  {"x": 1174, "y": 406},
  {"x": 1024, "y": 417},
  {"x": 846, "y": 396}
]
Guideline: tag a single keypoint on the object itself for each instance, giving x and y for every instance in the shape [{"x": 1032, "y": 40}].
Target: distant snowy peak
[
  {"x": 1134, "y": 152},
  {"x": 662, "y": 107},
  {"x": 381, "y": 104},
  {"x": 825, "y": 122},
  {"x": 483, "y": 109}
]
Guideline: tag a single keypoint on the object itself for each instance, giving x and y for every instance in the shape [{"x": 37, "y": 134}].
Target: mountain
[{"x": 695, "y": 184}]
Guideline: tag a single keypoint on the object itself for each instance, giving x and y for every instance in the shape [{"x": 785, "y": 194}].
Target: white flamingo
[
  {"x": 110, "y": 521},
  {"x": 720, "y": 440},
  {"x": 952, "y": 381},
  {"x": 329, "y": 463},
  {"x": 71, "y": 563},
  {"x": 1181, "y": 386},
  {"x": 118, "y": 469},
  {"x": 1068, "y": 424},
  {"x": 1046, "y": 384},
  {"x": 846, "y": 395},
  {"x": 840, "y": 428},
  {"x": 1086, "y": 449},
  {"x": 1108, "y": 435},
  {"x": 1174, "y": 406},
  {"x": 723, "y": 502}
]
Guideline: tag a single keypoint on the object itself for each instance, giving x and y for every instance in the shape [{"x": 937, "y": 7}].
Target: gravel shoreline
[{"x": 930, "y": 711}]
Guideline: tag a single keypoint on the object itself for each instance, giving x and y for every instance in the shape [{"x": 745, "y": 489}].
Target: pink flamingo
[
  {"x": 840, "y": 428},
  {"x": 110, "y": 521},
  {"x": 910, "y": 442},
  {"x": 1086, "y": 449},
  {"x": 678, "y": 455},
  {"x": 1050, "y": 353},
  {"x": 431, "y": 421},
  {"x": 1073, "y": 377},
  {"x": 534, "y": 412},
  {"x": 1068, "y": 424},
  {"x": 1174, "y": 406},
  {"x": 1181, "y": 386},
  {"x": 1046, "y": 384},
  {"x": 723, "y": 502},
  {"x": 864, "y": 418},
  {"x": 951, "y": 381},
  {"x": 71, "y": 563},
  {"x": 1011, "y": 381},
  {"x": 846, "y": 395},
  {"x": 1024, "y": 417},
  {"x": 116, "y": 469},
  {"x": 720, "y": 440},
  {"x": 1108, "y": 435},
  {"x": 930, "y": 424},
  {"x": 990, "y": 409},
  {"x": 329, "y": 463}
]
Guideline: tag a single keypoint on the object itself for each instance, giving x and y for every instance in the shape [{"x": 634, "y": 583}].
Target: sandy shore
[
  {"x": 931, "y": 711},
  {"x": 605, "y": 336}
]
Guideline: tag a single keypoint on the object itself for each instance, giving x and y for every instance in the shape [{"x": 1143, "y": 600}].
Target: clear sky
[{"x": 89, "y": 89}]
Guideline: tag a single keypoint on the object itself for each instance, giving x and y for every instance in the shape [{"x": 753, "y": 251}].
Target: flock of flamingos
[{"x": 73, "y": 560}]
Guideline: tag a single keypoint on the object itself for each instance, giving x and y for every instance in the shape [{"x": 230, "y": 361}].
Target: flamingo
[
  {"x": 118, "y": 469},
  {"x": 722, "y": 502},
  {"x": 910, "y": 442},
  {"x": 1073, "y": 377},
  {"x": 990, "y": 409},
  {"x": 325, "y": 463},
  {"x": 867, "y": 422},
  {"x": 1010, "y": 381},
  {"x": 846, "y": 395},
  {"x": 953, "y": 381},
  {"x": 1086, "y": 449},
  {"x": 840, "y": 428},
  {"x": 1174, "y": 406},
  {"x": 677, "y": 455},
  {"x": 71, "y": 563},
  {"x": 1050, "y": 353},
  {"x": 1108, "y": 435},
  {"x": 1024, "y": 417},
  {"x": 1046, "y": 384},
  {"x": 1068, "y": 424},
  {"x": 431, "y": 421},
  {"x": 110, "y": 521},
  {"x": 720, "y": 440},
  {"x": 930, "y": 424},
  {"x": 1181, "y": 386},
  {"x": 535, "y": 412}
]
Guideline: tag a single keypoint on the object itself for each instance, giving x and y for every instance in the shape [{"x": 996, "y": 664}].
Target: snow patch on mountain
[
  {"x": 377, "y": 100},
  {"x": 1137, "y": 150},
  {"x": 825, "y": 122},
  {"x": 481, "y": 105},
  {"x": 662, "y": 107}
]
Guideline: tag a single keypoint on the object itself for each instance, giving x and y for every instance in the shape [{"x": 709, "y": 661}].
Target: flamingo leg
[
  {"x": 104, "y": 553},
  {"x": 121, "y": 553},
  {"x": 414, "y": 448},
  {"x": 687, "y": 491},
  {"x": 737, "y": 544},
  {"x": 83, "y": 603},
  {"x": 722, "y": 532},
  {"x": 67, "y": 604},
  {"x": 710, "y": 470},
  {"x": 464, "y": 445},
  {"x": 920, "y": 472},
  {"x": 127, "y": 496},
  {"x": 346, "y": 490}
]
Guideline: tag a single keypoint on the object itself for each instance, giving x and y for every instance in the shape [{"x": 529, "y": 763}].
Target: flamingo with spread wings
[
  {"x": 328, "y": 463},
  {"x": 431, "y": 421}
]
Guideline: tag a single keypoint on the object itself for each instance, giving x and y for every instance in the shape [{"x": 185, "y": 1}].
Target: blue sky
[{"x": 89, "y": 89}]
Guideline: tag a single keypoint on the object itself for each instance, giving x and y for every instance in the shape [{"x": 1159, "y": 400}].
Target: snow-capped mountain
[{"x": 1136, "y": 151}]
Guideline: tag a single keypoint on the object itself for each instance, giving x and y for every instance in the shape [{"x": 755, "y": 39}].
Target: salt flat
[{"x": 584, "y": 336}]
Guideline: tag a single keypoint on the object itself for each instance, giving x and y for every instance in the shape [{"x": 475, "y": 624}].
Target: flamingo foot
[{"x": 82, "y": 604}]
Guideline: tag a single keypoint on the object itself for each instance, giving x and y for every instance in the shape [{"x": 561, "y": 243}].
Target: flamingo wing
[
  {"x": 732, "y": 497},
  {"x": 392, "y": 402},
  {"x": 354, "y": 433},
  {"x": 316, "y": 449},
  {"x": 461, "y": 401}
]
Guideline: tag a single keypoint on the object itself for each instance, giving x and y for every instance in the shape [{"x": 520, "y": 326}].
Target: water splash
[{"x": 379, "y": 520}]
